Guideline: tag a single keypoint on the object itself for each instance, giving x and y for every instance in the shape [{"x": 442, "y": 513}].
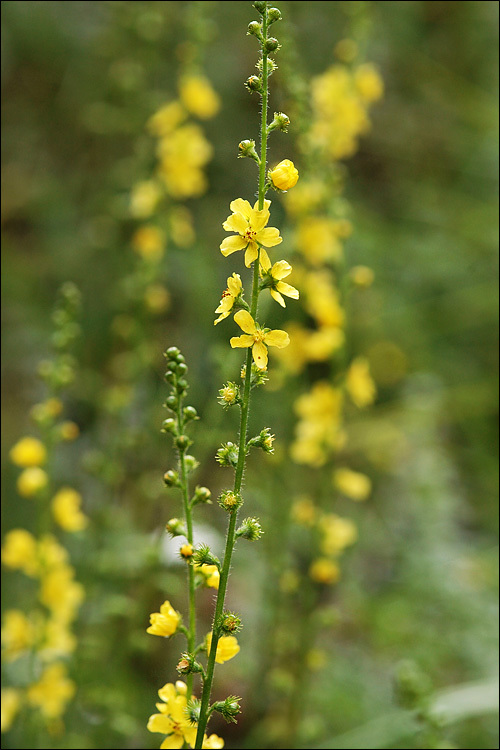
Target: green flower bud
[
  {"x": 172, "y": 352},
  {"x": 247, "y": 149},
  {"x": 250, "y": 529},
  {"x": 169, "y": 425},
  {"x": 264, "y": 440},
  {"x": 255, "y": 29},
  {"x": 171, "y": 403},
  {"x": 188, "y": 665},
  {"x": 230, "y": 623},
  {"x": 183, "y": 442},
  {"x": 280, "y": 122},
  {"x": 182, "y": 368},
  {"x": 260, "y": 5},
  {"x": 229, "y": 708},
  {"x": 180, "y": 359},
  {"x": 182, "y": 384},
  {"x": 175, "y": 527},
  {"x": 203, "y": 556},
  {"x": 170, "y": 377},
  {"x": 254, "y": 83},
  {"x": 227, "y": 455},
  {"x": 193, "y": 709},
  {"x": 171, "y": 478},
  {"x": 201, "y": 495},
  {"x": 229, "y": 395},
  {"x": 271, "y": 45},
  {"x": 190, "y": 462},
  {"x": 273, "y": 15},
  {"x": 190, "y": 413}
]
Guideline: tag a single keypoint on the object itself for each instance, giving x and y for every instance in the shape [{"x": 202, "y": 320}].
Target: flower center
[{"x": 250, "y": 234}]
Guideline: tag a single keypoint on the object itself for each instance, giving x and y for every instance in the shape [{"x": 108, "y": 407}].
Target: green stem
[
  {"x": 245, "y": 406},
  {"x": 191, "y": 633}
]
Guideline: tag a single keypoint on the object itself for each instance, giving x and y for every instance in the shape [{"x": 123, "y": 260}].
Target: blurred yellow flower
[
  {"x": 359, "y": 383},
  {"x": 144, "y": 199},
  {"x": 166, "y": 119},
  {"x": 60, "y": 593},
  {"x": 318, "y": 240},
  {"x": 318, "y": 430},
  {"x": 48, "y": 409},
  {"x": 149, "y": 242},
  {"x": 28, "y": 451},
  {"x": 18, "y": 634},
  {"x": 69, "y": 430},
  {"x": 274, "y": 277},
  {"x": 304, "y": 512},
  {"x": 233, "y": 291},
  {"x": 324, "y": 571},
  {"x": 11, "y": 703},
  {"x": 227, "y": 647},
  {"x": 165, "y": 622},
  {"x": 66, "y": 510},
  {"x": 52, "y": 692},
  {"x": 337, "y": 534},
  {"x": 198, "y": 96},
  {"x": 20, "y": 552},
  {"x": 354, "y": 485},
  {"x": 250, "y": 225},
  {"x": 182, "y": 156},
  {"x": 284, "y": 175},
  {"x": 156, "y": 298},
  {"x": 362, "y": 276},
  {"x": 58, "y": 640},
  {"x": 181, "y": 226},
  {"x": 346, "y": 50},
  {"x": 368, "y": 82},
  {"x": 213, "y": 742},
  {"x": 257, "y": 338},
  {"x": 50, "y": 553},
  {"x": 31, "y": 481}
]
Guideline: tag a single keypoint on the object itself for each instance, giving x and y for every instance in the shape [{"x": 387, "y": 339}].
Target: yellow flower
[
  {"x": 18, "y": 634},
  {"x": 51, "y": 554},
  {"x": 58, "y": 641},
  {"x": 273, "y": 276},
  {"x": 182, "y": 155},
  {"x": 66, "y": 510},
  {"x": 227, "y": 647},
  {"x": 20, "y": 552},
  {"x": 324, "y": 571},
  {"x": 165, "y": 622},
  {"x": 257, "y": 338},
  {"x": 284, "y": 175},
  {"x": 47, "y": 410},
  {"x": 362, "y": 276},
  {"x": 198, "y": 96},
  {"x": 352, "y": 484},
  {"x": 28, "y": 451},
  {"x": 251, "y": 231},
  {"x": 172, "y": 719},
  {"x": 211, "y": 575},
  {"x": 186, "y": 551},
  {"x": 368, "y": 82},
  {"x": 31, "y": 481},
  {"x": 318, "y": 240},
  {"x": 338, "y": 533},
  {"x": 144, "y": 199},
  {"x": 304, "y": 512},
  {"x": 359, "y": 383},
  {"x": 181, "y": 226},
  {"x": 320, "y": 426},
  {"x": 156, "y": 298},
  {"x": 346, "y": 50},
  {"x": 69, "y": 430},
  {"x": 149, "y": 242},
  {"x": 52, "y": 692},
  {"x": 166, "y": 119},
  {"x": 233, "y": 291},
  {"x": 213, "y": 742},
  {"x": 60, "y": 593},
  {"x": 11, "y": 703}
]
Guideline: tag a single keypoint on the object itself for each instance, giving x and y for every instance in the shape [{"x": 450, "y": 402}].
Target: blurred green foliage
[{"x": 80, "y": 80}]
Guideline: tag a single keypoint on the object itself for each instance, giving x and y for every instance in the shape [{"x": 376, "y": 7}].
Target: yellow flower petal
[
  {"x": 234, "y": 284},
  {"x": 232, "y": 244},
  {"x": 251, "y": 254},
  {"x": 236, "y": 223},
  {"x": 245, "y": 322},
  {"x": 173, "y": 742},
  {"x": 264, "y": 258},
  {"x": 160, "y": 723},
  {"x": 241, "y": 342},
  {"x": 277, "y": 296},
  {"x": 287, "y": 289},
  {"x": 277, "y": 338},
  {"x": 269, "y": 237},
  {"x": 259, "y": 219},
  {"x": 281, "y": 269},
  {"x": 241, "y": 206},
  {"x": 259, "y": 353}
]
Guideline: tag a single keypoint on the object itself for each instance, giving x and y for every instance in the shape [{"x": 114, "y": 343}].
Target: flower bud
[
  {"x": 254, "y": 83},
  {"x": 227, "y": 455},
  {"x": 230, "y": 623},
  {"x": 188, "y": 665},
  {"x": 264, "y": 440},
  {"x": 183, "y": 442},
  {"x": 201, "y": 495},
  {"x": 255, "y": 29},
  {"x": 250, "y": 529},
  {"x": 169, "y": 425},
  {"x": 271, "y": 45},
  {"x": 273, "y": 15},
  {"x": 229, "y": 708},
  {"x": 171, "y": 403},
  {"x": 172, "y": 352},
  {"x": 170, "y": 377},
  {"x": 203, "y": 556},
  {"x": 190, "y": 462},
  {"x": 182, "y": 368},
  {"x": 229, "y": 395},
  {"x": 284, "y": 175},
  {"x": 247, "y": 149},
  {"x": 230, "y": 501},
  {"x": 190, "y": 413},
  {"x": 280, "y": 122},
  {"x": 260, "y": 5},
  {"x": 175, "y": 527},
  {"x": 171, "y": 479}
]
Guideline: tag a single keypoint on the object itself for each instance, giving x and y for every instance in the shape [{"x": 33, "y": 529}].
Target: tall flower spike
[
  {"x": 258, "y": 338},
  {"x": 272, "y": 277},
  {"x": 251, "y": 231}
]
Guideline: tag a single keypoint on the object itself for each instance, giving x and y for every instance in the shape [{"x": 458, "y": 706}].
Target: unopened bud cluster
[
  {"x": 229, "y": 395},
  {"x": 250, "y": 529},
  {"x": 227, "y": 455},
  {"x": 230, "y": 623},
  {"x": 264, "y": 440},
  {"x": 230, "y": 501},
  {"x": 230, "y": 708}
]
